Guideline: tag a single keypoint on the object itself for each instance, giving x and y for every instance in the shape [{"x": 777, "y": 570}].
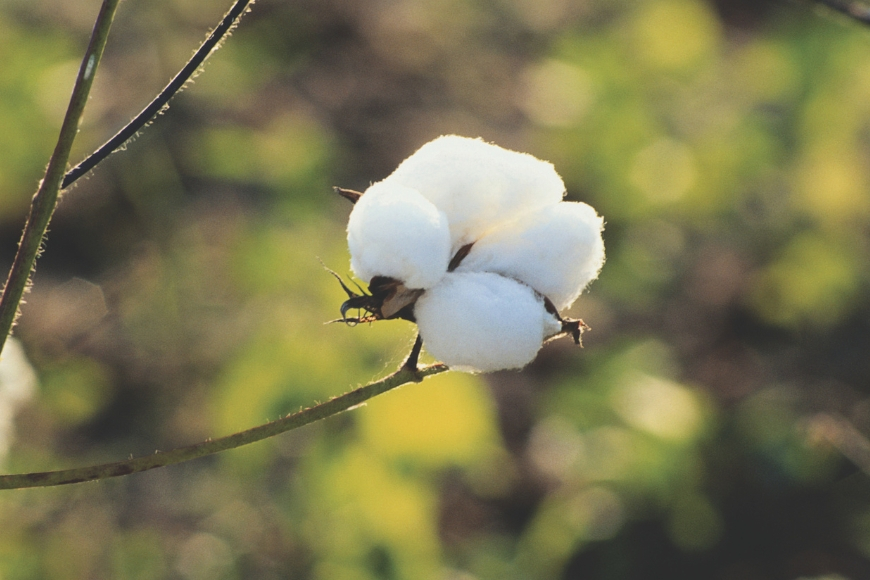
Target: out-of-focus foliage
[{"x": 180, "y": 295}]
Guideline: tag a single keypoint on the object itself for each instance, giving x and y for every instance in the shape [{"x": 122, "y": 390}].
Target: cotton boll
[
  {"x": 479, "y": 321},
  {"x": 394, "y": 231},
  {"x": 478, "y": 185},
  {"x": 557, "y": 250}
]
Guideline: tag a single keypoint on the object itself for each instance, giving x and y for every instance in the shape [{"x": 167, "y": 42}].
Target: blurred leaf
[
  {"x": 814, "y": 280},
  {"x": 448, "y": 420},
  {"x": 75, "y": 390}
]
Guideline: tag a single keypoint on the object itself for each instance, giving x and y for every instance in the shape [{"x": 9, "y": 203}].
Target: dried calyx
[{"x": 390, "y": 299}]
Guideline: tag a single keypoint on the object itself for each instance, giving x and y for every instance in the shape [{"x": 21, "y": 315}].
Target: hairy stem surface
[
  {"x": 210, "y": 44},
  {"x": 404, "y": 375},
  {"x": 45, "y": 199}
]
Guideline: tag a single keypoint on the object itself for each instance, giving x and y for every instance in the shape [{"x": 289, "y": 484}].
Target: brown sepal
[
  {"x": 571, "y": 326},
  {"x": 387, "y": 299},
  {"x": 348, "y": 194}
]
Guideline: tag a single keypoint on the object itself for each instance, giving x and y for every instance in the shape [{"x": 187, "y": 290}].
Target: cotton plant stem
[
  {"x": 45, "y": 199},
  {"x": 210, "y": 44},
  {"x": 210, "y": 446}
]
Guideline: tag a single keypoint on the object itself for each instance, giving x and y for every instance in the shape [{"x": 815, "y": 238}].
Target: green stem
[
  {"x": 45, "y": 200},
  {"x": 160, "y": 459}
]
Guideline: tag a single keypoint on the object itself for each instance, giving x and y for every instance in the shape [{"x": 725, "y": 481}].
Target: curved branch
[
  {"x": 351, "y": 399},
  {"x": 211, "y": 43},
  {"x": 45, "y": 199}
]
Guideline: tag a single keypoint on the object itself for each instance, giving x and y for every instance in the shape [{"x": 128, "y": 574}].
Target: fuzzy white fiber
[
  {"x": 527, "y": 244},
  {"x": 481, "y": 322},
  {"x": 557, "y": 250},
  {"x": 478, "y": 185},
  {"x": 394, "y": 231}
]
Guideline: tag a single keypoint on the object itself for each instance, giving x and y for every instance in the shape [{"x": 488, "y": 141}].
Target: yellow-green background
[{"x": 180, "y": 296}]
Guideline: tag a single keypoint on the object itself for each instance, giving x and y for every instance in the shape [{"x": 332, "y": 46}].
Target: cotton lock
[
  {"x": 475, "y": 244},
  {"x": 480, "y": 321},
  {"x": 557, "y": 250},
  {"x": 478, "y": 185},
  {"x": 395, "y": 232}
]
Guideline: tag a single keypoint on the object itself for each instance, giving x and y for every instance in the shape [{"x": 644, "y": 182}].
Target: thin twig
[
  {"x": 160, "y": 459},
  {"x": 157, "y": 105},
  {"x": 856, "y": 10},
  {"x": 45, "y": 199}
]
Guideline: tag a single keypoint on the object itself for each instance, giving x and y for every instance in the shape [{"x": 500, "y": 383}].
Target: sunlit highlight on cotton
[
  {"x": 478, "y": 185},
  {"x": 498, "y": 217}
]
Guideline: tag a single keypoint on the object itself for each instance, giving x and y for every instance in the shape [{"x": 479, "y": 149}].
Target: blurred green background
[{"x": 727, "y": 144}]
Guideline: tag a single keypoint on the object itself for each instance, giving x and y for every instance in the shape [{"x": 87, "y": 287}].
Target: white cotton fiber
[
  {"x": 481, "y": 322},
  {"x": 394, "y": 231},
  {"x": 478, "y": 185},
  {"x": 557, "y": 250}
]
